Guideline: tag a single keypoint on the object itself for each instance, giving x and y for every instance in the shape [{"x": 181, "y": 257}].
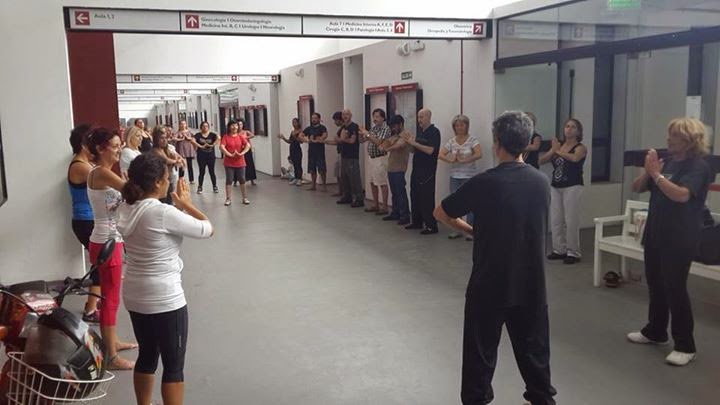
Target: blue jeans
[
  {"x": 454, "y": 186},
  {"x": 400, "y": 205}
]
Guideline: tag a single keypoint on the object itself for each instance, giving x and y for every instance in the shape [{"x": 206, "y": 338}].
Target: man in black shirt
[
  {"x": 426, "y": 148},
  {"x": 315, "y": 135},
  {"x": 507, "y": 284},
  {"x": 350, "y": 168}
]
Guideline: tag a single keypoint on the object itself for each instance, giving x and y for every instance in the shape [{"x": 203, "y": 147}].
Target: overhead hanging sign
[
  {"x": 355, "y": 27},
  {"x": 203, "y": 22},
  {"x": 246, "y": 24},
  {"x": 448, "y": 29},
  {"x": 142, "y": 78},
  {"x": 123, "y": 20}
]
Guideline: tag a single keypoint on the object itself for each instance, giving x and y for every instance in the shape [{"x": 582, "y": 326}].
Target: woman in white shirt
[
  {"x": 153, "y": 293},
  {"x": 133, "y": 138},
  {"x": 462, "y": 152}
]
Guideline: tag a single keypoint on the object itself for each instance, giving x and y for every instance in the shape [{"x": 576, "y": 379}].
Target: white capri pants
[{"x": 565, "y": 220}]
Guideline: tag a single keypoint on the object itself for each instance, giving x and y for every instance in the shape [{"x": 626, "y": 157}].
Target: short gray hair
[
  {"x": 461, "y": 118},
  {"x": 512, "y": 130}
]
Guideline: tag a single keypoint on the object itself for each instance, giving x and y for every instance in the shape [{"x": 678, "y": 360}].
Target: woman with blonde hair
[
  {"x": 133, "y": 139},
  {"x": 462, "y": 153},
  {"x": 678, "y": 187}
]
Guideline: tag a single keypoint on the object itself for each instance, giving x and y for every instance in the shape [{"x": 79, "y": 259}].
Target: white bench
[{"x": 627, "y": 244}]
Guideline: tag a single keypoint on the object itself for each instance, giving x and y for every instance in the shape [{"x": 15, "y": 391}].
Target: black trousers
[
  {"x": 206, "y": 161},
  {"x": 190, "y": 169},
  {"x": 422, "y": 199},
  {"x": 529, "y": 333},
  {"x": 250, "y": 173},
  {"x": 297, "y": 166},
  {"x": 666, "y": 270}
]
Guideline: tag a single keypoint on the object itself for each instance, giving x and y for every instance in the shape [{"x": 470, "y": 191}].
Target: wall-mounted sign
[
  {"x": 448, "y": 29},
  {"x": 377, "y": 90},
  {"x": 248, "y": 24},
  {"x": 355, "y": 27},
  {"x": 405, "y": 87},
  {"x": 406, "y": 75},
  {"x": 306, "y": 97},
  {"x": 123, "y": 20}
]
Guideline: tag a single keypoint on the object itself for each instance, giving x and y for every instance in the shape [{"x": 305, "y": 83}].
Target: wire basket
[{"x": 30, "y": 386}]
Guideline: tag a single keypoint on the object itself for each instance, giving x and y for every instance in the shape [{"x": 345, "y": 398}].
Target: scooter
[{"x": 58, "y": 342}]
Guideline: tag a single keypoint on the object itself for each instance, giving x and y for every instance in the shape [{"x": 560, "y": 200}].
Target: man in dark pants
[
  {"x": 507, "y": 284},
  {"x": 350, "y": 166},
  {"x": 426, "y": 147}
]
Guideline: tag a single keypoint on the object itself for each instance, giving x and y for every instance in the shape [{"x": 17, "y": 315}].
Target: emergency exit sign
[
  {"x": 406, "y": 75},
  {"x": 624, "y": 4}
]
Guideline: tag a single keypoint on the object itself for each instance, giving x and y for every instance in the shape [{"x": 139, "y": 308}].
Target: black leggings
[
  {"x": 83, "y": 229},
  {"x": 191, "y": 174},
  {"x": 297, "y": 166},
  {"x": 209, "y": 163},
  {"x": 161, "y": 335}
]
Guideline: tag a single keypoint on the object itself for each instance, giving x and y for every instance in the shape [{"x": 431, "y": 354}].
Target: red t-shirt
[{"x": 233, "y": 144}]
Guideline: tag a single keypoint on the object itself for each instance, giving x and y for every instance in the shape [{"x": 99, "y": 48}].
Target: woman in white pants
[{"x": 567, "y": 157}]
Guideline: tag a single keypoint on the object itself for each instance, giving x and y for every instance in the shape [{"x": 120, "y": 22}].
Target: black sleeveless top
[
  {"x": 146, "y": 144},
  {"x": 567, "y": 173}
]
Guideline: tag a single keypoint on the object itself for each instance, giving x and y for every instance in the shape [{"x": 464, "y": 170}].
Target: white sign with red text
[
  {"x": 355, "y": 27},
  {"x": 258, "y": 24},
  {"x": 123, "y": 20},
  {"x": 448, "y": 29}
]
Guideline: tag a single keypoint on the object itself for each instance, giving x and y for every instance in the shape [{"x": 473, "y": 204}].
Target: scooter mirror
[{"x": 105, "y": 252}]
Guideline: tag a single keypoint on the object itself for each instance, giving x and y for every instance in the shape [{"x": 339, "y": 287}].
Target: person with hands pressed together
[
  {"x": 378, "y": 167},
  {"x": 568, "y": 158},
  {"x": 154, "y": 295},
  {"x": 185, "y": 146},
  {"x": 234, "y": 147},
  {"x": 205, "y": 141},
  {"x": 315, "y": 136},
  {"x": 398, "y": 153},
  {"x": 161, "y": 147},
  {"x": 678, "y": 188},
  {"x": 462, "y": 152},
  {"x": 426, "y": 148},
  {"x": 350, "y": 168},
  {"x": 295, "y": 141}
]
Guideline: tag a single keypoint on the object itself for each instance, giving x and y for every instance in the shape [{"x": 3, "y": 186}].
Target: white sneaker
[
  {"x": 679, "y": 358},
  {"x": 638, "y": 337},
  {"x": 292, "y": 182},
  {"x": 228, "y": 202},
  {"x": 246, "y": 201}
]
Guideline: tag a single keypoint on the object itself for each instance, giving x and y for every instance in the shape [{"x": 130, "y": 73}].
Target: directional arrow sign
[
  {"x": 192, "y": 21},
  {"x": 82, "y": 17},
  {"x": 399, "y": 27},
  {"x": 478, "y": 28}
]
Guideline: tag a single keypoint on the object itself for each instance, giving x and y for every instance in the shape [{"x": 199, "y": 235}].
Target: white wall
[{"x": 130, "y": 111}]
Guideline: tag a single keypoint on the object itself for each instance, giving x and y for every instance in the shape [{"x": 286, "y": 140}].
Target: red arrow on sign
[
  {"x": 82, "y": 17},
  {"x": 192, "y": 21},
  {"x": 399, "y": 27},
  {"x": 478, "y": 28}
]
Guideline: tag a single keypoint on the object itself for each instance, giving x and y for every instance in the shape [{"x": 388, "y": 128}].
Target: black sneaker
[
  {"x": 571, "y": 260},
  {"x": 199, "y": 190},
  {"x": 215, "y": 190},
  {"x": 556, "y": 256},
  {"x": 343, "y": 201},
  {"x": 429, "y": 231}
]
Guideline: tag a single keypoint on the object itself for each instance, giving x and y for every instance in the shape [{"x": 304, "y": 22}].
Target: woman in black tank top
[{"x": 567, "y": 158}]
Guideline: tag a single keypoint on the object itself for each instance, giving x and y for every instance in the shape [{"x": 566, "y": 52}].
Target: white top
[
  {"x": 174, "y": 173},
  {"x": 153, "y": 234},
  {"x": 105, "y": 203},
  {"x": 463, "y": 170},
  {"x": 126, "y": 157}
]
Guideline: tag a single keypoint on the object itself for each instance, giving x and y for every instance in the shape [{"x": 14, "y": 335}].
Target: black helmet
[{"x": 62, "y": 346}]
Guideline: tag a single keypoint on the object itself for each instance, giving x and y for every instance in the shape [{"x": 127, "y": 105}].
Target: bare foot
[
  {"x": 118, "y": 363},
  {"x": 120, "y": 346}
]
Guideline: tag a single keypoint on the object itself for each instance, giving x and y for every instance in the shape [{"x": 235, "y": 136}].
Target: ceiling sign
[
  {"x": 123, "y": 20},
  {"x": 142, "y": 78},
  {"x": 355, "y": 27},
  {"x": 202, "y": 22},
  {"x": 247, "y": 24},
  {"x": 448, "y": 29}
]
